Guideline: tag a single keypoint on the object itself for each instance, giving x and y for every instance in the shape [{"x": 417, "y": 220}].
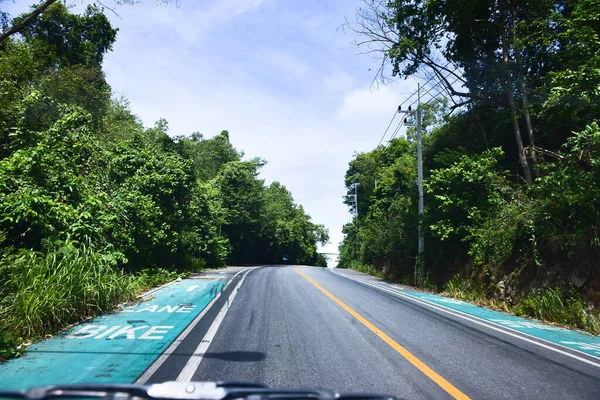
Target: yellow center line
[{"x": 431, "y": 374}]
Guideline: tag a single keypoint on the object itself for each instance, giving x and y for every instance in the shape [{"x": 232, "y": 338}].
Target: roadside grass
[
  {"x": 552, "y": 305},
  {"x": 367, "y": 269},
  {"x": 480, "y": 295},
  {"x": 548, "y": 305},
  {"x": 152, "y": 277},
  {"x": 40, "y": 294}
]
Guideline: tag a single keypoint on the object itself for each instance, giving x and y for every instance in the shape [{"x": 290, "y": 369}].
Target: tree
[
  {"x": 59, "y": 37},
  {"x": 572, "y": 93},
  {"x": 21, "y": 24},
  {"x": 208, "y": 155},
  {"x": 477, "y": 44},
  {"x": 47, "y": 69},
  {"x": 242, "y": 199}
]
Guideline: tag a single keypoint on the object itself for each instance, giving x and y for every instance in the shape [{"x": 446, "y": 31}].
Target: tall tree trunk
[
  {"x": 513, "y": 112},
  {"x": 530, "y": 134},
  {"x": 525, "y": 100}
]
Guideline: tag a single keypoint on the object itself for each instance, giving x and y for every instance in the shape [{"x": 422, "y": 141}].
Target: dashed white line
[
  {"x": 160, "y": 360},
  {"x": 192, "y": 364}
]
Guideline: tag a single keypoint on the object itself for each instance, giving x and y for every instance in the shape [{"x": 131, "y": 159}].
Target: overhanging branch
[{"x": 23, "y": 24}]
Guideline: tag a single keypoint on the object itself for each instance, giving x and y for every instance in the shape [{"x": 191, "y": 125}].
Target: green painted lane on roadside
[
  {"x": 116, "y": 347},
  {"x": 574, "y": 339}
]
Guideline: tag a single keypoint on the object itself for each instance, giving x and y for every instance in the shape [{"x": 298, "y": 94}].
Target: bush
[
  {"x": 500, "y": 237},
  {"x": 466, "y": 289},
  {"x": 552, "y": 305},
  {"x": 10, "y": 347},
  {"x": 465, "y": 192},
  {"x": 42, "y": 293},
  {"x": 150, "y": 277},
  {"x": 571, "y": 190},
  {"x": 367, "y": 269}
]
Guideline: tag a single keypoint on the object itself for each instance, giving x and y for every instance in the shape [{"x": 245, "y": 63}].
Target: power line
[
  {"x": 401, "y": 104},
  {"x": 434, "y": 87},
  {"x": 404, "y": 102},
  {"x": 444, "y": 88},
  {"x": 425, "y": 84},
  {"x": 448, "y": 90},
  {"x": 430, "y": 98},
  {"x": 400, "y": 124},
  {"x": 428, "y": 92},
  {"x": 386, "y": 130}
]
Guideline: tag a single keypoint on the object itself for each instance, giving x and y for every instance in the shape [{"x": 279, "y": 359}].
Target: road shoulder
[
  {"x": 116, "y": 347},
  {"x": 580, "y": 345}
]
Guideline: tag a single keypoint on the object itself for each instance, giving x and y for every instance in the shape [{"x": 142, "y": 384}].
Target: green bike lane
[
  {"x": 579, "y": 341},
  {"x": 559, "y": 339},
  {"x": 116, "y": 347}
]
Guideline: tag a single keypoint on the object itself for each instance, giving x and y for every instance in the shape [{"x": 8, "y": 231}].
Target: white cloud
[
  {"x": 369, "y": 102},
  {"x": 284, "y": 63},
  {"x": 278, "y": 75},
  {"x": 338, "y": 82},
  {"x": 194, "y": 24},
  {"x": 224, "y": 9}
]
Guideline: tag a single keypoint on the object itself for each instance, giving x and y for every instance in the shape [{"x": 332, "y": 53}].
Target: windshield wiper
[{"x": 181, "y": 391}]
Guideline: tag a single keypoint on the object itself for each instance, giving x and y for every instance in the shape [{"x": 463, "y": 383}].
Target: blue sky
[{"x": 280, "y": 75}]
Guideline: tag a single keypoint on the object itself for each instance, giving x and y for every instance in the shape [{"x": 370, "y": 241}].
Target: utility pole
[
  {"x": 356, "y": 196},
  {"x": 420, "y": 259},
  {"x": 420, "y": 265}
]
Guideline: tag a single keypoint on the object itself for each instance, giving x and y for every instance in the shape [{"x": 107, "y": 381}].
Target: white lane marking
[
  {"x": 160, "y": 360},
  {"x": 173, "y": 281},
  {"x": 101, "y": 331},
  {"x": 149, "y": 292},
  {"x": 191, "y": 366},
  {"x": 587, "y": 346},
  {"x": 480, "y": 321},
  {"x": 157, "y": 308}
]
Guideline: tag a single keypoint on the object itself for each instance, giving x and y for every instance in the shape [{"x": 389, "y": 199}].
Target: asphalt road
[{"x": 275, "y": 326}]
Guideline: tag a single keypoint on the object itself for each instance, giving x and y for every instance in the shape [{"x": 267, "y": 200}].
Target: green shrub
[
  {"x": 552, "y": 305},
  {"x": 505, "y": 231},
  {"x": 150, "y": 277},
  {"x": 455, "y": 287},
  {"x": 42, "y": 293},
  {"x": 10, "y": 347},
  {"x": 367, "y": 269},
  {"x": 465, "y": 192}
]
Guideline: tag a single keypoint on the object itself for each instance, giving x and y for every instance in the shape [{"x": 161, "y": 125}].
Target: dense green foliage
[
  {"x": 511, "y": 178},
  {"x": 95, "y": 207}
]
